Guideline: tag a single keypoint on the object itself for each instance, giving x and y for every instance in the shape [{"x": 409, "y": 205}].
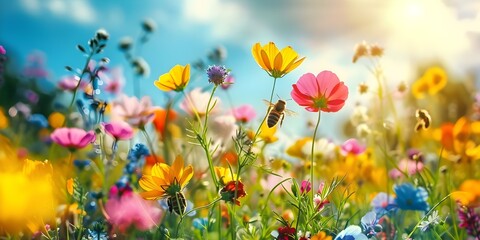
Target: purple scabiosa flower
[
  {"x": 411, "y": 198},
  {"x": 469, "y": 220},
  {"x": 217, "y": 74},
  {"x": 382, "y": 203},
  {"x": 352, "y": 232}
]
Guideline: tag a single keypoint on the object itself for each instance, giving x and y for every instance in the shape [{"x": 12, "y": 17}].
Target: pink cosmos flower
[
  {"x": 352, "y": 146},
  {"x": 197, "y": 100},
  {"x": 73, "y": 138},
  {"x": 244, "y": 113},
  {"x": 119, "y": 130},
  {"x": 410, "y": 167},
  {"x": 134, "y": 111},
  {"x": 2, "y": 50},
  {"x": 132, "y": 210},
  {"x": 114, "y": 80},
  {"x": 324, "y": 92},
  {"x": 69, "y": 83}
]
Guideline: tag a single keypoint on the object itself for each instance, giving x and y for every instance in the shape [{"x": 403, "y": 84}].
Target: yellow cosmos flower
[
  {"x": 296, "y": 149},
  {"x": 276, "y": 63},
  {"x": 56, "y": 120},
  {"x": 268, "y": 134},
  {"x": 165, "y": 180},
  {"x": 225, "y": 175},
  {"x": 176, "y": 79},
  {"x": 434, "y": 80}
]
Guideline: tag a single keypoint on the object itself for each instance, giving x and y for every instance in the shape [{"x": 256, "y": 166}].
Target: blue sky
[{"x": 413, "y": 33}]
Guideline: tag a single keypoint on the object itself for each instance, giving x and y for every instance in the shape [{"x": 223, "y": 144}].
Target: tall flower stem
[
  {"x": 149, "y": 142},
  {"x": 266, "y": 115},
  {"x": 192, "y": 210},
  {"x": 312, "y": 153}
]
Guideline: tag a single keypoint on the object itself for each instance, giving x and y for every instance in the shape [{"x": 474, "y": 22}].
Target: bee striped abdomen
[{"x": 273, "y": 118}]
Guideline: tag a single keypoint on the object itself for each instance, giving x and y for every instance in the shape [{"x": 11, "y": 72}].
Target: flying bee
[
  {"x": 177, "y": 203},
  {"x": 423, "y": 119},
  {"x": 277, "y": 112}
]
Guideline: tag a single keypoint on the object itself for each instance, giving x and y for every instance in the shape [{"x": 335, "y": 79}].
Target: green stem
[
  {"x": 312, "y": 153},
  {"x": 427, "y": 214},
  {"x": 149, "y": 142},
  {"x": 266, "y": 115}
]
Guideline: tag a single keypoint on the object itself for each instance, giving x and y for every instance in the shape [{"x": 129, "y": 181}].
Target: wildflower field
[{"x": 87, "y": 160}]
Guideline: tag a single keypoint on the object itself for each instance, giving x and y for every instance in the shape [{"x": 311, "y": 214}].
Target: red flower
[
  {"x": 228, "y": 192},
  {"x": 322, "y": 93},
  {"x": 286, "y": 233}
]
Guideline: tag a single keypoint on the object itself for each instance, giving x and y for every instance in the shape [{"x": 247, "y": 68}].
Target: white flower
[
  {"x": 197, "y": 101},
  {"x": 431, "y": 221},
  {"x": 323, "y": 147},
  {"x": 359, "y": 115}
]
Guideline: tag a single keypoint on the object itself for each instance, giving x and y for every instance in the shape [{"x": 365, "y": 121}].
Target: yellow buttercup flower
[
  {"x": 276, "y": 63},
  {"x": 176, "y": 79},
  {"x": 166, "y": 180},
  {"x": 225, "y": 175}
]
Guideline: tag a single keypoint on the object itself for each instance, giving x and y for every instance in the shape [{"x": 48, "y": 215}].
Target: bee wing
[
  {"x": 290, "y": 112},
  {"x": 268, "y": 103}
]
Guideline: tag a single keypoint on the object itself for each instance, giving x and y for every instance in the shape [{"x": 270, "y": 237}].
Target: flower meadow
[{"x": 104, "y": 165}]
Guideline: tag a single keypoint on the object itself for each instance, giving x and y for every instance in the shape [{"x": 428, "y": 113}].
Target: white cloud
[{"x": 80, "y": 11}]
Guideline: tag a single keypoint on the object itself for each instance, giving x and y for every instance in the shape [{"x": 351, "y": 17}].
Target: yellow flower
[
  {"x": 296, "y": 149},
  {"x": 276, "y": 63},
  {"x": 3, "y": 120},
  {"x": 70, "y": 184},
  {"x": 56, "y": 120},
  {"x": 321, "y": 236},
  {"x": 436, "y": 79},
  {"x": 225, "y": 175},
  {"x": 468, "y": 192},
  {"x": 268, "y": 134},
  {"x": 176, "y": 79},
  {"x": 165, "y": 180}
]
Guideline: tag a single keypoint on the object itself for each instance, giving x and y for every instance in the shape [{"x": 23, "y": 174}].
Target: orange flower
[
  {"x": 276, "y": 63},
  {"x": 166, "y": 181},
  {"x": 321, "y": 236},
  {"x": 161, "y": 118}
]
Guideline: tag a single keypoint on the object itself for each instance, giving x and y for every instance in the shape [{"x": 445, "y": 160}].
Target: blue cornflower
[
  {"x": 38, "y": 120},
  {"x": 352, "y": 232},
  {"x": 411, "y": 198},
  {"x": 138, "y": 151},
  {"x": 217, "y": 74}
]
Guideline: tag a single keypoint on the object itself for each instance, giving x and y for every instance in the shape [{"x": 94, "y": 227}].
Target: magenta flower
[
  {"x": 2, "y": 50},
  {"x": 114, "y": 80},
  {"x": 132, "y": 210},
  {"x": 229, "y": 81},
  {"x": 305, "y": 187},
  {"x": 244, "y": 113},
  {"x": 119, "y": 130},
  {"x": 72, "y": 138},
  {"x": 352, "y": 146},
  {"x": 408, "y": 166},
  {"x": 322, "y": 93}
]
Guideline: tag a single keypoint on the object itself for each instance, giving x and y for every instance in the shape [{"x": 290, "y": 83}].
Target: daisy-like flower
[
  {"x": 411, "y": 198},
  {"x": 134, "y": 111},
  {"x": 324, "y": 92},
  {"x": 434, "y": 80},
  {"x": 352, "y": 232},
  {"x": 197, "y": 101},
  {"x": 225, "y": 175},
  {"x": 277, "y": 63},
  {"x": 168, "y": 182},
  {"x": 432, "y": 220},
  {"x": 244, "y": 113},
  {"x": 176, "y": 79},
  {"x": 72, "y": 138}
]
